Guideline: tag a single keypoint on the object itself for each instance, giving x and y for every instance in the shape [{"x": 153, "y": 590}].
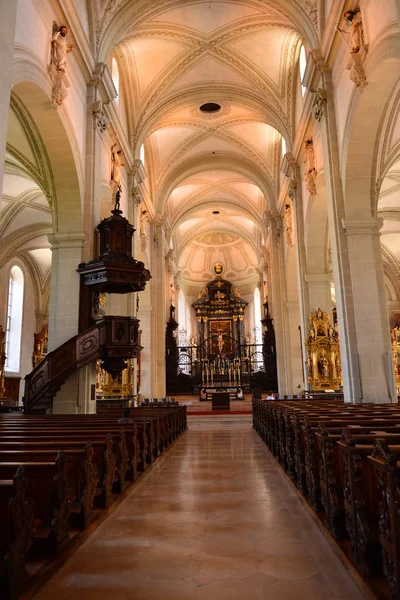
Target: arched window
[
  {"x": 257, "y": 315},
  {"x": 283, "y": 147},
  {"x": 302, "y": 67},
  {"x": 141, "y": 154},
  {"x": 115, "y": 75},
  {"x": 15, "y": 302}
]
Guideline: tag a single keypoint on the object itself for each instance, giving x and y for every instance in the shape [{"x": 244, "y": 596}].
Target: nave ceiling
[{"x": 243, "y": 56}]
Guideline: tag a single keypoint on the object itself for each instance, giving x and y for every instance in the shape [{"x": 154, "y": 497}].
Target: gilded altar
[
  {"x": 40, "y": 345},
  {"x": 395, "y": 335},
  {"x": 323, "y": 353},
  {"x": 118, "y": 387}
]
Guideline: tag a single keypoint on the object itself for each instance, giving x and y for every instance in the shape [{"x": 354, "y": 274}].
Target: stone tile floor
[{"x": 214, "y": 520}]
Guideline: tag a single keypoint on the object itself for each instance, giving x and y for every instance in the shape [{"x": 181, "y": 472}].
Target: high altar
[{"x": 220, "y": 323}]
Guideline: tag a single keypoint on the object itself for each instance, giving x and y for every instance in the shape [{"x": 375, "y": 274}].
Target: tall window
[
  {"x": 15, "y": 303},
  {"x": 302, "y": 67},
  {"x": 283, "y": 146},
  {"x": 115, "y": 75},
  {"x": 141, "y": 154}
]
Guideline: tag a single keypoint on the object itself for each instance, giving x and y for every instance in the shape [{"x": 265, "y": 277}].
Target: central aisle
[{"x": 214, "y": 520}]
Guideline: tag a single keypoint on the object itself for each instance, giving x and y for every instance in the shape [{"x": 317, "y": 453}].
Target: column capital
[
  {"x": 368, "y": 225},
  {"x": 66, "y": 239}
]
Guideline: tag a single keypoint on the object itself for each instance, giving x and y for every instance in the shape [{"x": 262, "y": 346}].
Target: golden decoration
[
  {"x": 323, "y": 353},
  {"x": 120, "y": 387},
  {"x": 395, "y": 335},
  {"x": 40, "y": 345}
]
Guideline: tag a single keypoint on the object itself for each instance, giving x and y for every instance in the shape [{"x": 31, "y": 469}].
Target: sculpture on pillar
[
  {"x": 58, "y": 64},
  {"x": 144, "y": 219},
  {"x": 318, "y": 110},
  {"x": 116, "y": 166},
  {"x": 102, "y": 120},
  {"x": 288, "y": 224},
  {"x": 323, "y": 353},
  {"x": 358, "y": 47},
  {"x": 310, "y": 174}
]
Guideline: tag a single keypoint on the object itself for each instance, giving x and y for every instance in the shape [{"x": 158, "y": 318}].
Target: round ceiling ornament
[{"x": 218, "y": 268}]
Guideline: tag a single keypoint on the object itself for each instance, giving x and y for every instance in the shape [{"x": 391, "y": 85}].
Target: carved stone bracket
[
  {"x": 60, "y": 84},
  {"x": 318, "y": 110},
  {"x": 102, "y": 120}
]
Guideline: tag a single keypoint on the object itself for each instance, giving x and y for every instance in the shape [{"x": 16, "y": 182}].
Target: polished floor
[{"x": 214, "y": 520}]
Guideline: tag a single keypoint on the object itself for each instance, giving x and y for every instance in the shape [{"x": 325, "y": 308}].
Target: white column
[
  {"x": 364, "y": 335},
  {"x": 278, "y": 310},
  {"x": 295, "y": 195},
  {"x": 8, "y": 12},
  {"x": 158, "y": 314},
  {"x": 296, "y": 375},
  {"x": 64, "y": 287},
  {"x": 371, "y": 317},
  {"x": 93, "y": 167}
]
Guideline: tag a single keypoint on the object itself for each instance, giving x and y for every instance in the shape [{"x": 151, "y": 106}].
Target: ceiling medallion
[{"x": 218, "y": 268}]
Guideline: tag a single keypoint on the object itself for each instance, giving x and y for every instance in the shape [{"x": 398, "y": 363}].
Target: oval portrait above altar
[{"x": 218, "y": 268}]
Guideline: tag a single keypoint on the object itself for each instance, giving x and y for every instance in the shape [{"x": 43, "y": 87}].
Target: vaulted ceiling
[{"x": 242, "y": 56}]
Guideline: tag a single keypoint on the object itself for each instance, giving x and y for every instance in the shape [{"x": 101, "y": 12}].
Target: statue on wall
[
  {"x": 310, "y": 173},
  {"x": 60, "y": 49},
  {"x": 323, "y": 366},
  {"x": 288, "y": 225},
  {"x": 116, "y": 166},
  {"x": 58, "y": 64},
  {"x": 358, "y": 47},
  {"x": 144, "y": 219}
]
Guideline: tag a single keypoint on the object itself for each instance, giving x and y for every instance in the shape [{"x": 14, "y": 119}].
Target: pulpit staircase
[{"x": 114, "y": 337}]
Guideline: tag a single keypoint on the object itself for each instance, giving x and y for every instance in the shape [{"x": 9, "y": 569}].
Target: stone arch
[
  {"x": 360, "y": 148},
  {"x": 33, "y": 88},
  {"x": 115, "y": 27}
]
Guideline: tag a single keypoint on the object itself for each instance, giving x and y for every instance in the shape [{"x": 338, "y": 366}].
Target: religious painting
[
  {"x": 220, "y": 337},
  {"x": 218, "y": 268}
]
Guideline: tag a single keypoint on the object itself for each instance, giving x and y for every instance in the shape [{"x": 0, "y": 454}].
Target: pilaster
[
  {"x": 64, "y": 286},
  {"x": 8, "y": 12},
  {"x": 278, "y": 310}
]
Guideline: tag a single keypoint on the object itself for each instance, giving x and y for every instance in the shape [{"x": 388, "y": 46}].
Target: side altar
[{"x": 323, "y": 353}]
